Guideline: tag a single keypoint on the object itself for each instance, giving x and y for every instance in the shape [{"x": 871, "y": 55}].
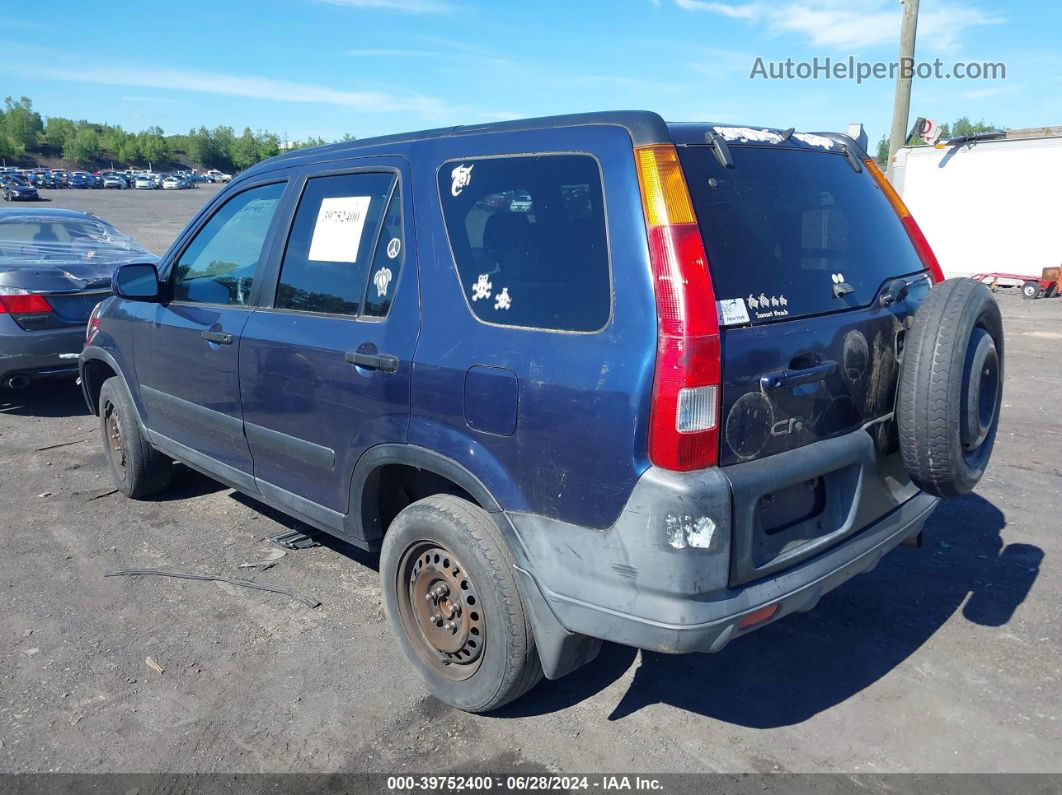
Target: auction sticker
[{"x": 337, "y": 233}]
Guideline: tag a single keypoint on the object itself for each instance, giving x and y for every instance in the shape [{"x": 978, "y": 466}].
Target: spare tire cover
[{"x": 951, "y": 387}]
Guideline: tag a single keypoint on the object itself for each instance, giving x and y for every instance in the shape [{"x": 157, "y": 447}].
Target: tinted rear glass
[
  {"x": 528, "y": 234},
  {"x": 783, "y": 226}
]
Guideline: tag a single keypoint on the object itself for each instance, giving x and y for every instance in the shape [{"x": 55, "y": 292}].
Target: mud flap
[{"x": 559, "y": 650}]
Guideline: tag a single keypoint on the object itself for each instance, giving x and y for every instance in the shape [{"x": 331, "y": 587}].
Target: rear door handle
[
  {"x": 220, "y": 337},
  {"x": 373, "y": 361},
  {"x": 819, "y": 372}
]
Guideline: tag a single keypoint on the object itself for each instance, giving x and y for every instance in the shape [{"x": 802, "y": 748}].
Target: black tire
[
  {"x": 138, "y": 469},
  {"x": 1030, "y": 290},
  {"x": 504, "y": 663},
  {"x": 951, "y": 388}
]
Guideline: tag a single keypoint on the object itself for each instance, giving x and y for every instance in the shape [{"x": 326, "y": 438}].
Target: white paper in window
[{"x": 337, "y": 233}]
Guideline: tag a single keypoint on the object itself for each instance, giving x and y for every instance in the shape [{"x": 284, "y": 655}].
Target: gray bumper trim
[{"x": 798, "y": 589}]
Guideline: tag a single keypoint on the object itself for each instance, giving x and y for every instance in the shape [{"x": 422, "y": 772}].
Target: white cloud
[
  {"x": 160, "y": 100},
  {"x": 851, "y": 24},
  {"x": 373, "y": 101},
  {"x": 391, "y": 54},
  {"x": 408, "y": 6}
]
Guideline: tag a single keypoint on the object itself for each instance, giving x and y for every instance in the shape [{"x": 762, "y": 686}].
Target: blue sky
[{"x": 325, "y": 67}]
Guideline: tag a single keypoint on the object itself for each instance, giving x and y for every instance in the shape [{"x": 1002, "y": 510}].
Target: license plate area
[{"x": 797, "y": 504}]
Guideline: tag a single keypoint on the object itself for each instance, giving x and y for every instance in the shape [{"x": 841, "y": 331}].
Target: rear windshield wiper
[{"x": 722, "y": 151}]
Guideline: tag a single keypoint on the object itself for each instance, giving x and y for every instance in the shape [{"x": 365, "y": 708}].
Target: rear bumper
[
  {"x": 661, "y": 577},
  {"x": 38, "y": 354}
]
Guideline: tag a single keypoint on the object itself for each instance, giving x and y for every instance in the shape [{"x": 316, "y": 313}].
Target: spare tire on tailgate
[{"x": 951, "y": 387}]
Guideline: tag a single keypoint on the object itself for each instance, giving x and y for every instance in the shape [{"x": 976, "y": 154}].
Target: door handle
[
  {"x": 220, "y": 337},
  {"x": 819, "y": 372},
  {"x": 373, "y": 361}
]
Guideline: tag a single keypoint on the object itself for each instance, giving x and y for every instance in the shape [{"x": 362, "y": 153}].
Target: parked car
[
  {"x": 218, "y": 176},
  {"x": 144, "y": 182},
  {"x": 713, "y": 376},
  {"x": 95, "y": 180},
  {"x": 79, "y": 179},
  {"x": 521, "y": 203},
  {"x": 60, "y": 178},
  {"x": 172, "y": 182},
  {"x": 17, "y": 188},
  {"x": 116, "y": 181},
  {"x": 55, "y": 266}
]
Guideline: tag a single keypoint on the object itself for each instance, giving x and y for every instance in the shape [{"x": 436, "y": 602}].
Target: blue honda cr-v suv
[{"x": 577, "y": 378}]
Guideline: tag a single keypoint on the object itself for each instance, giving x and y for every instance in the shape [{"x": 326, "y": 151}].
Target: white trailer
[{"x": 988, "y": 206}]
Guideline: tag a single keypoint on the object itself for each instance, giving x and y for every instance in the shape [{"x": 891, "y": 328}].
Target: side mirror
[{"x": 136, "y": 282}]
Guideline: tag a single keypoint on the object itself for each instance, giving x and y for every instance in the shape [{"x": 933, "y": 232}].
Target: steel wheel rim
[
  {"x": 115, "y": 440},
  {"x": 982, "y": 384},
  {"x": 440, "y": 610}
]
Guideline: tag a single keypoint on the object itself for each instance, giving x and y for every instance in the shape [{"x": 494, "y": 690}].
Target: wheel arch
[
  {"x": 96, "y": 366},
  {"x": 368, "y": 518}
]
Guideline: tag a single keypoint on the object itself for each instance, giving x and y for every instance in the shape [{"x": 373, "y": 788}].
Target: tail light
[
  {"x": 684, "y": 418},
  {"x": 15, "y": 301},
  {"x": 93, "y": 323},
  {"x": 925, "y": 253}
]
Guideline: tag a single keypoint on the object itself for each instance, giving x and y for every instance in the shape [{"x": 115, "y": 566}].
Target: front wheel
[
  {"x": 138, "y": 469},
  {"x": 452, "y": 599},
  {"x": 1030, "y": 289}
]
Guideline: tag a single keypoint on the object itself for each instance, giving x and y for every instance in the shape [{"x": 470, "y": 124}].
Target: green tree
[
  {"x": 128, "y": 150},
  {"x": 111, "y": 140},
  {"x": 268, "y": 144},
  {"x": 58, "y": 131},
  {"x": 152, "y": 146},
  {"x": 8, "y": 147},
  {"x": 83, "y": 146},
  {"x": 245, "y": 151},
  {"x": 963, "y": 126},
  {"x": 23, "y": 124},
  {"x": 201, "y": 148},
  {"x": 883, "y": 151}
]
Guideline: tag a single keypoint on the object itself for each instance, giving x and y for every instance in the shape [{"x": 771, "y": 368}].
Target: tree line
[{"x": 25, "y": 133}]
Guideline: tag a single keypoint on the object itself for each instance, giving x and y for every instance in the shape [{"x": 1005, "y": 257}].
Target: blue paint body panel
[{"x": 492, "y": 400}]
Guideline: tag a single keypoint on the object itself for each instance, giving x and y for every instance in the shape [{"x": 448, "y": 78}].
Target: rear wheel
[
  {"x": 451, "y": 598},
  {"x": 138, "y": 469},
  {"x": 1030, "y": 289}
]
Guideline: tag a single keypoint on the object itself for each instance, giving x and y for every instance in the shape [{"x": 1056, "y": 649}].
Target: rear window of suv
[
  {"x": 784, "y": 225},
  {"x": 528, "y": 236}
]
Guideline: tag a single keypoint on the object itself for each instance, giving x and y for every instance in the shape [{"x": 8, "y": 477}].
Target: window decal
[
  {"x": 460, "y": 177},
  {"x": 504, "y": 301},
  {"x": 382, "y": 279},
  {"x": 482, "y": 287}
]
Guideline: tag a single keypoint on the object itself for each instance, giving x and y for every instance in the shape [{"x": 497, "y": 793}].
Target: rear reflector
[
  {"x": 683, "y": 422},
  {"x": 23, "y": 303},
  {"x": 758, "y": 616},
  {"x": 925, "y": 252}
]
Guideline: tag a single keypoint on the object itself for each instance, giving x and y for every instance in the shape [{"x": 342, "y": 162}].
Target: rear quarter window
[{"x": 529, "y": 239}]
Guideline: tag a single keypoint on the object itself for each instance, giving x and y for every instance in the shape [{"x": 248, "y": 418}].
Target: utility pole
[{"x": 901, "y": 106}]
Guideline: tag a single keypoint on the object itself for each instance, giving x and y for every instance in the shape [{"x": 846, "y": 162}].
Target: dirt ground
[{"x": 945, "y": 658}]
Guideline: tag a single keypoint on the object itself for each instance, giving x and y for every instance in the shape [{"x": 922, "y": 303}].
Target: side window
[
  {"x": 219, "y": 265},
  {"x": 330, "y": 246},
  {"x": 528, "y": 236},
  {"x": 386, "y": 262}
]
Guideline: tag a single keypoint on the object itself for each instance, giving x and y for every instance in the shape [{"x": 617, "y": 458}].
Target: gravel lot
[{"x": 945, "y": 658}]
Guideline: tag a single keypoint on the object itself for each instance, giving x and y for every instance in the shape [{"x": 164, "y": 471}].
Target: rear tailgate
[{"x": 801, "y": 247}]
